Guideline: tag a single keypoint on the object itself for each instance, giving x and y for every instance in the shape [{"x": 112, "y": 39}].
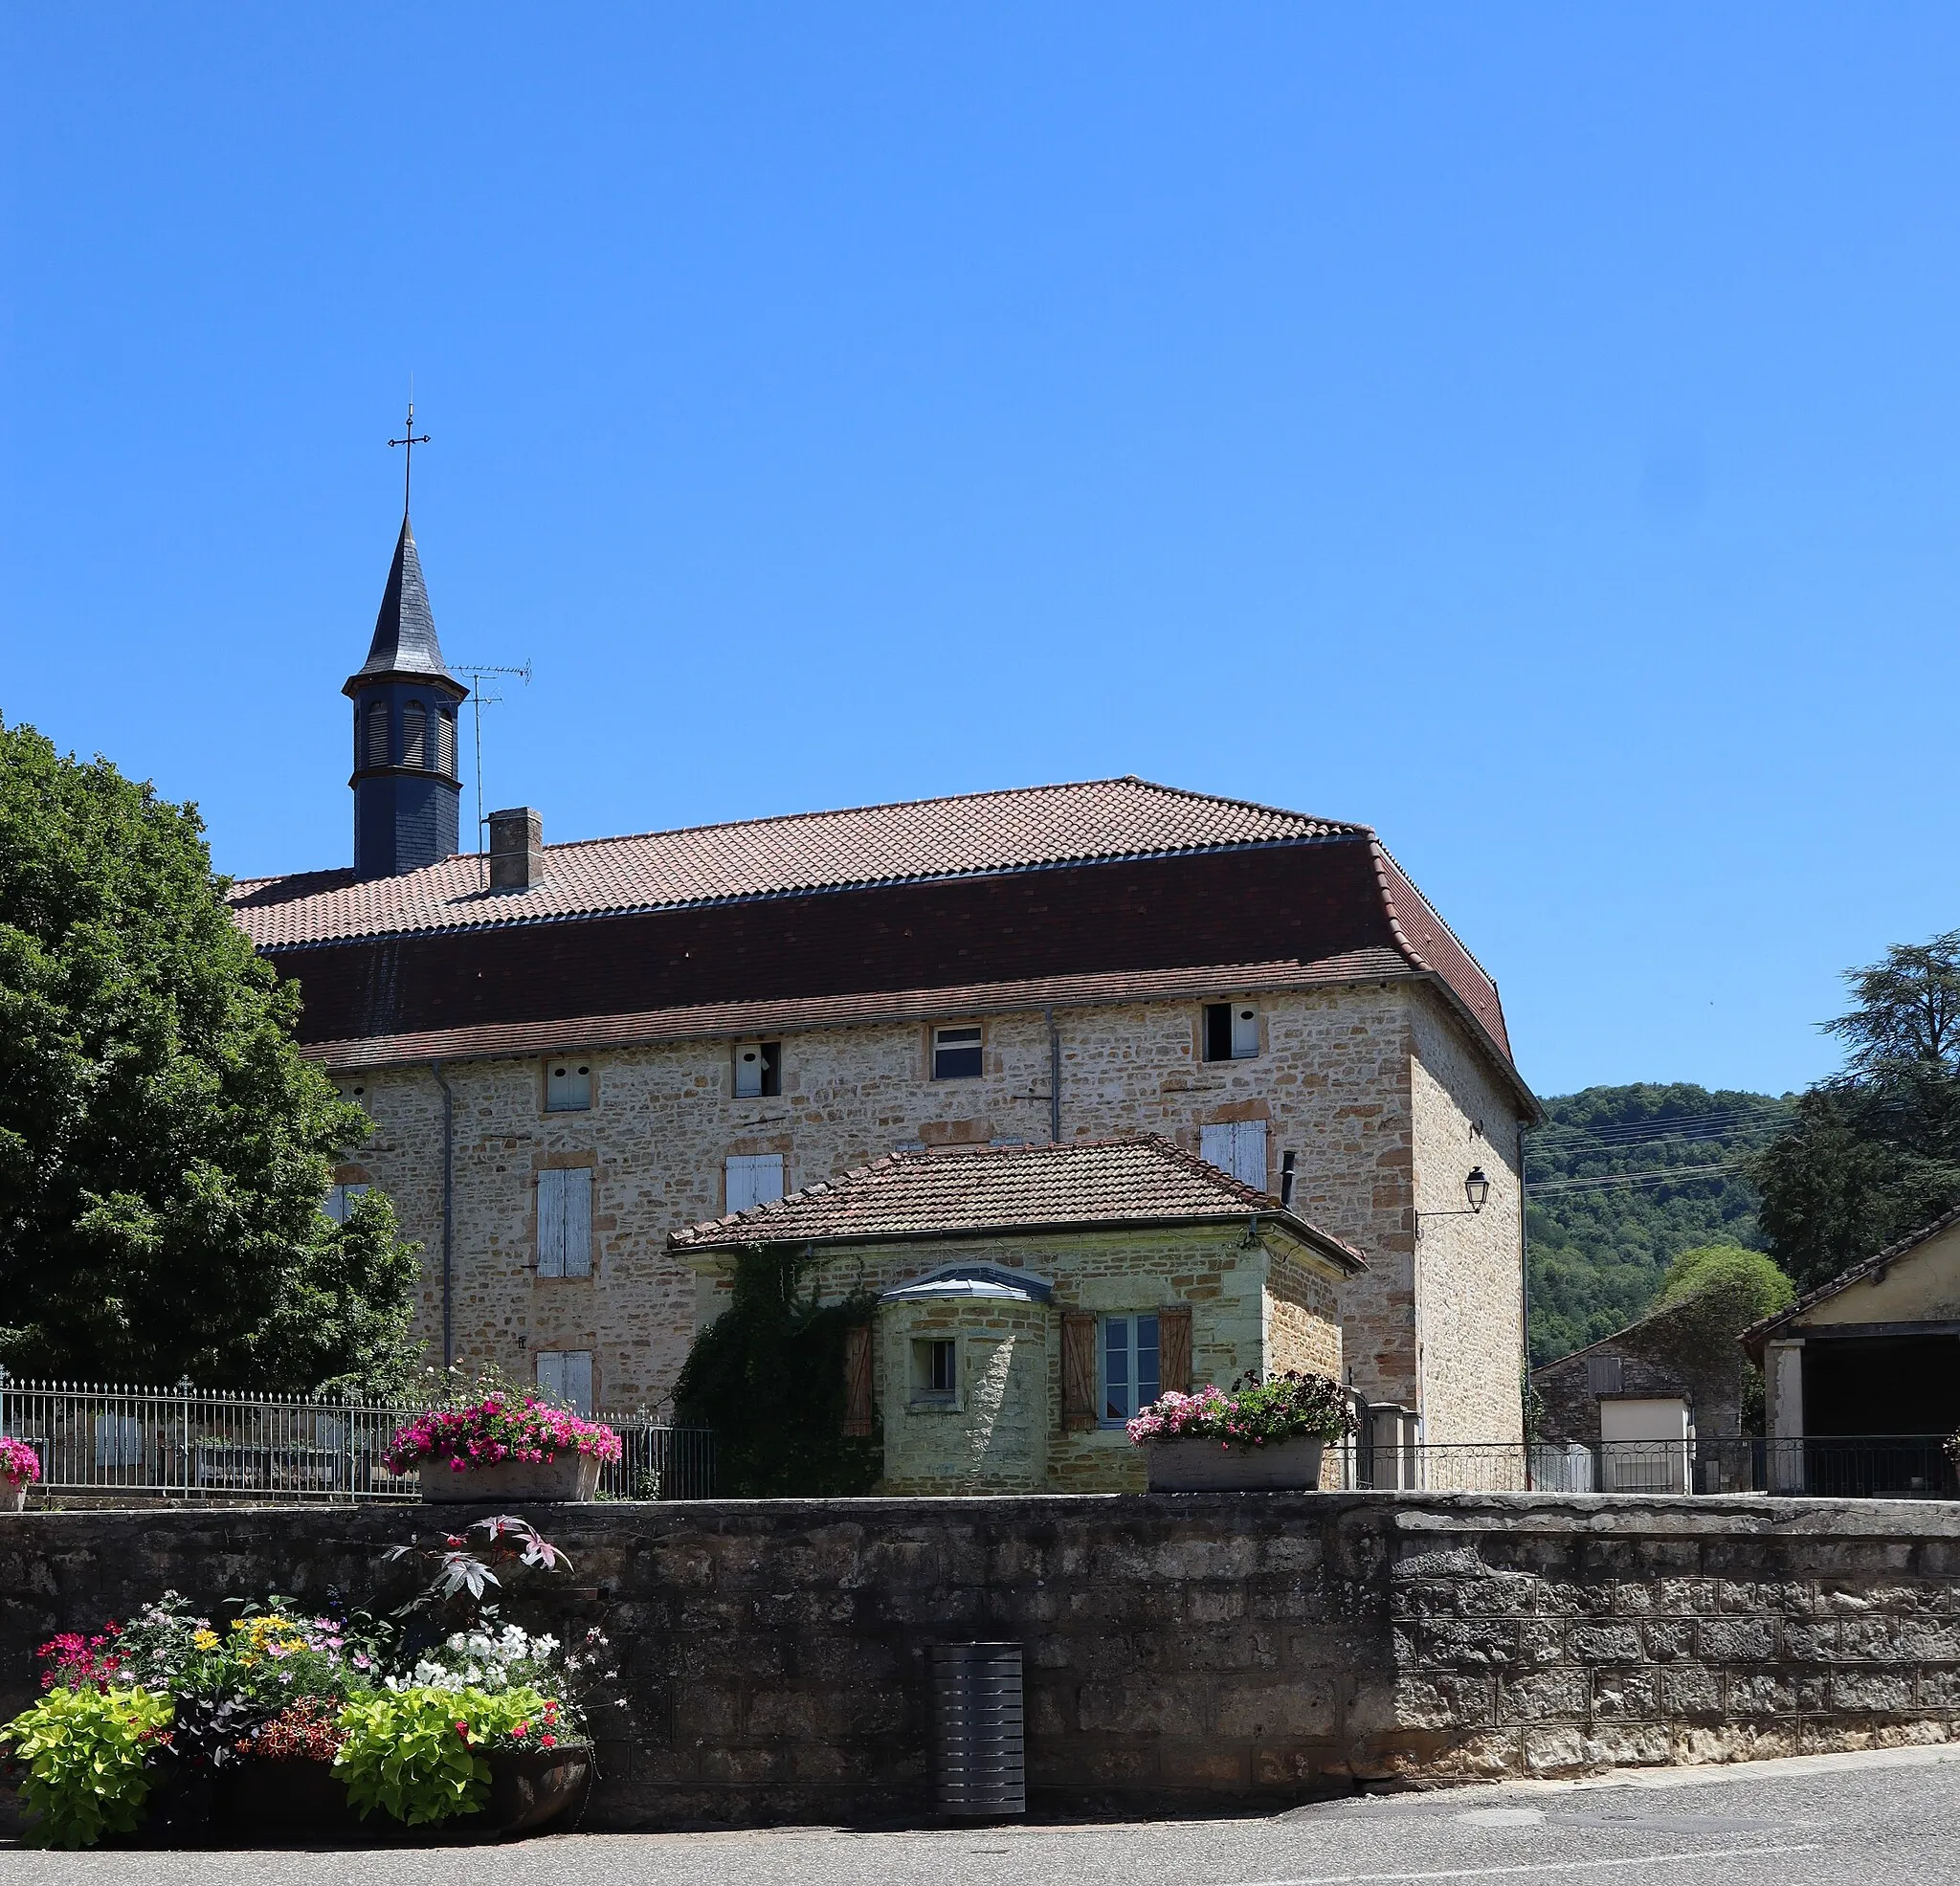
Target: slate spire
[{"x": 405, "y": 639}]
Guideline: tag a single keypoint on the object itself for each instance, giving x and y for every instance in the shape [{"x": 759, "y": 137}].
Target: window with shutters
[
  {"x": 1231, "y": 1032},
  {"x": 935, "y": 1371},
  {"x": 1130, "y": 1373},
  {"x": 338, "y": 1200},
  {"x": 1239, "y": 1149},
  {"x": 1606, "y": 1375},
  {"x": 566, "y": 1376},
  {"x": 377, "y": 734},
  {"x": 955, "y": 1053},
  {"x": 414, "y": 735},
  {"x": 758, "y": 1069},
  {"x": 568, "y": 1086},
  {"x": 754, "y": 1179},
  {"x": 565, "y": 1222},
  {"x": 859, "y": 1404},
  {"x": 445, "y": 743}
]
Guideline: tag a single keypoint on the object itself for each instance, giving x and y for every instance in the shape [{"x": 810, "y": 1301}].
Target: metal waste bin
[{"x": 976, "y": 1718}]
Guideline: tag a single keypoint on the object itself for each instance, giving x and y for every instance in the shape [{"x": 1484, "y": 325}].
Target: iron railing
[
  {"x": 1848, "y": 1466},
  {"x": 114, "y": 1441}
]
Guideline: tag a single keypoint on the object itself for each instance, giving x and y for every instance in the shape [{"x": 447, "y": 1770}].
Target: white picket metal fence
[{"x": 117, "y": 1441}]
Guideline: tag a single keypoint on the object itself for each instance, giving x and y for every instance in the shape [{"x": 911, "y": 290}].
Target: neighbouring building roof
[
  {"x": 1025, "y": 828},
  {"x": 404, "y": 629},
  {"x": 1756, "y": 1334},
  {"x": 978, "y": 1190}
]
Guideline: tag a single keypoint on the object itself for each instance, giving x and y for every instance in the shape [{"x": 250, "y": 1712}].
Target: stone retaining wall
[{"x": 1182, "y": 1652}]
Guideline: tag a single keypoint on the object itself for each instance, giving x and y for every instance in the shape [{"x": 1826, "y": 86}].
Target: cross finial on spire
[{"x": 411, "y": 442}]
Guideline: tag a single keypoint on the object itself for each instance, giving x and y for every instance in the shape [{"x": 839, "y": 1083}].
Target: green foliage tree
[
  {"x": 164, "y": 1148},
  {"x": 1873, "y": 1153},
  {"x": 768, "y": 1376},
  {"x": 1748, "y": 1278},
  {"x": 1600, "y": 1242}
]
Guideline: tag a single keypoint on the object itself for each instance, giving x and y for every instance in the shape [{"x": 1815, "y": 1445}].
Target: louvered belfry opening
[
  {"x": 414, "y": 735},
  {"x": 445, "y": 743},
  {"x": 377, "y": 735}
]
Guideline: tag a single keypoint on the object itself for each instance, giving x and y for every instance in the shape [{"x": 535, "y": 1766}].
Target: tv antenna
[{"x": 478, "y": 701}]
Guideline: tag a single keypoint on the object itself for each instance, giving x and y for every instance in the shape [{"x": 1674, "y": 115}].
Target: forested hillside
[{"x": 1621, "y": 1180}]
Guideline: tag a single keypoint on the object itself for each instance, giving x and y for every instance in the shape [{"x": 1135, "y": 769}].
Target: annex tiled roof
[
  {"x": 1025, "y": 828},
  {"x": 980, "y": 1190},
  {"x": 1754, "y": 1336}
]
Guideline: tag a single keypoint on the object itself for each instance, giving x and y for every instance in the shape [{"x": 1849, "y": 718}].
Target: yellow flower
[{"x": 204, "y": 1640}]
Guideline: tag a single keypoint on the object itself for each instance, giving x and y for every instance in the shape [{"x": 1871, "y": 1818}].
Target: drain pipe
[
  {"x": 448, "y": 1216},
  {"x": 1053, "y": 1077}
]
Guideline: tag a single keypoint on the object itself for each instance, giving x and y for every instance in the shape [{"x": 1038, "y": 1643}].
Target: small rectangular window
[
  {"x": 568, "y": 1086},
  {"x": 758, "y": 1069},
  {"x": 955, "y": 1053},
  {"x": 339, "y": 1200},
  {"x": 1606, "y": 1375},
  {"x": 1130, "y": 1372},
  {"x": 1231, "y": 1032},
  {"x": 934, "y": 1377},
  {"x": 754, "y": 1179},
  {"x": 566, "y": 1376},
  {"x": 565, "y": 1222}
]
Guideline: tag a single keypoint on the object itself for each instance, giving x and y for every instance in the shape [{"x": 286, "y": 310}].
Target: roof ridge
[{"x": 952, "y": 799}]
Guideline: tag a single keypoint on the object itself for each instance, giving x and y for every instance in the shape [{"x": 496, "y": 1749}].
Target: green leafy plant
[
  {"x": 418, "y": 1754},
  {"x": 84, "y": 1757}
]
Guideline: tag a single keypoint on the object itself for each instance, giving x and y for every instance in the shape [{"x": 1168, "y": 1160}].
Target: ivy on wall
[{"x": 768, "y": 1376}]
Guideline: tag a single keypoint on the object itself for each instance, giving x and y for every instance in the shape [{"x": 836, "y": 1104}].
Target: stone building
[
  {"x": 570, "y": 1050},
  {"x": 1032, "y": 1298}
]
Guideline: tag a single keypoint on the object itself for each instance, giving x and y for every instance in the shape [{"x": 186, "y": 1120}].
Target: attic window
[
  {"x": 1606, "y": 1375},
  {"x": 955, "y": 1053},
  {"x": 1231, "y": 1032},
  {"x": 758, "y": 1069},
  {"x": 568, "y": 1086},
  {"x": 414, "y": 735}
]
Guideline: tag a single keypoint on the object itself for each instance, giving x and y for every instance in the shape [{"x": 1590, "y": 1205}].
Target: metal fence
[
  {"x": 115, "y": 1442},
  {"x": 1848, "y": 1466}
]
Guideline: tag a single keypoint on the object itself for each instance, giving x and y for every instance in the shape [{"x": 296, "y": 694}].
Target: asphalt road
[{"x": 1890, "y": 1819}]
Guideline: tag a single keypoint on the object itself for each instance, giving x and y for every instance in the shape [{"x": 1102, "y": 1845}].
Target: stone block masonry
[{"x": 1183, "y": 1652}]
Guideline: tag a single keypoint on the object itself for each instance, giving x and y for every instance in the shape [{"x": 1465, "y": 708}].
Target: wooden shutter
[
  {"x": 1173, "y": 1349},
  {"x": 578, "y": 1380},
  {"x": 1214, "y": 1147},
  {"x": 578, "y": 1222},
  {"x": 1249, "y": 1153},
  {"x": 858, "y": 1403},
  {"x": 550, "y": 1225},
  {"x": 1078, "y": 1369},
  {"x": 551, "y": 1373}
]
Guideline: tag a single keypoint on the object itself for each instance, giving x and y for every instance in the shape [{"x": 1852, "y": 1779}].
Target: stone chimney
[{"x": 517, "y": 848}]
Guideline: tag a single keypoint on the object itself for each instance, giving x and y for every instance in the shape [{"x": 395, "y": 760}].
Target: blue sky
[{"x": 1532, "y": 431}]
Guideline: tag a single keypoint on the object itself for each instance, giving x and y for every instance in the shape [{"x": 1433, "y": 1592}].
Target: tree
[
  {"x": 1874, "y": 1153},
  {"x": 164, "y": 1148},
  {"x": 1746, "y": 1278}
]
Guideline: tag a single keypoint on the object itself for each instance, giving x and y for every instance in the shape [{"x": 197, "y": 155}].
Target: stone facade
[
  {"x": 1263, "y": 1307},
  {"x": 1182, "y": 1652},
  {"x": 1374, "y": 1087}
]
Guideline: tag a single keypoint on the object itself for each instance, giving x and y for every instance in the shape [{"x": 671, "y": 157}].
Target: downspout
[
  {"x": 1525, "y": 1275},
  {"x": 448, "y": 1216},
  {"x": 1053, "y": 1077}
]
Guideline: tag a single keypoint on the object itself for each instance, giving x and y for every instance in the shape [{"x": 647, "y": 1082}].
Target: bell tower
[{"x": 407, "y": 792}]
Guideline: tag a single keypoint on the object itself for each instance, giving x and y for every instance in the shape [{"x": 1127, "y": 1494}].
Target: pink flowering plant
[
  {"x": 19, "y": 1464},
  {"x": 497, "y": 1423},
  {"x": 1254, "y": 1413}
]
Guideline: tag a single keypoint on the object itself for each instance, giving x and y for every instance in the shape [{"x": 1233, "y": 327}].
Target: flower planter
[
  {"x": 297, "y": 1797},
  {"x": 13, "y": 1496},
  {"x": 564, "y": 1477},
  {"x": 1201, "y": 1466},
  {"x": 531, "y": 1787}
]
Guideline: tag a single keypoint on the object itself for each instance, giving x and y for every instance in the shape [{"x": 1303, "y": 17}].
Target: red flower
[
  {"x": 548, "y": 1742},
  {"x": 463, "y": 1730}
]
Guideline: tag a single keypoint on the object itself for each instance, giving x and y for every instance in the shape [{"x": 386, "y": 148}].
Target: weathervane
[{"x": 411, "y": 442}]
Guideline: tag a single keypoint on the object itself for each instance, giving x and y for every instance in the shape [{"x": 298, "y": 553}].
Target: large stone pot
[
  {"x": 270, "y": 1799},
  {"x": 1196, "y": 1466},
  {"x": 564, "y": 1477},
  {"x": 13, "y": 1496},
  {"x": 531, "y": 1787}
]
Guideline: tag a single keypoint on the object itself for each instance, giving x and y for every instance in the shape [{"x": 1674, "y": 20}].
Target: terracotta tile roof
[
  {"x": 969, "y": 1191},
  {"x": 1025, "y": 828},
  {"x": 1756, "y": 1334}
]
